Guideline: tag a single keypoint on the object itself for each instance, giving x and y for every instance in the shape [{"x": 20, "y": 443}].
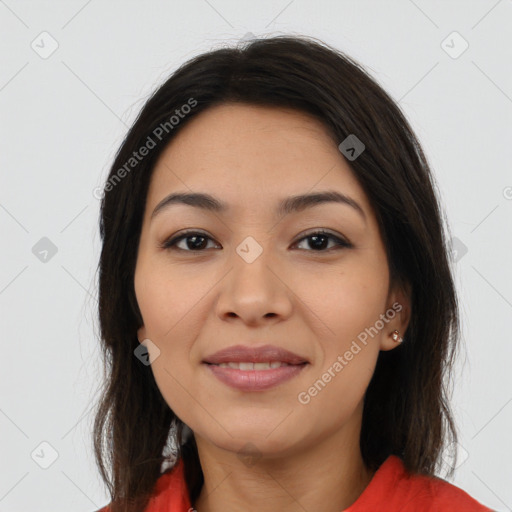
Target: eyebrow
[{"x": 287, "y": 206}]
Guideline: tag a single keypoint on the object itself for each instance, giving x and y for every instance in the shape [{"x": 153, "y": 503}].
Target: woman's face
[{"x": 253, "y": 275}]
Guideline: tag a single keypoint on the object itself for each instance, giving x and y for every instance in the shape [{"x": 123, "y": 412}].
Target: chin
[{"x": 253, "y": 443}]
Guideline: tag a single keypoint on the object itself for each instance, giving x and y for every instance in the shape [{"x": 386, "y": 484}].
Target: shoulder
[
  {"x": 434, "y": 494},
  {"x": 407, "y": 492},
  {"x": 444, "y": 496},
  {"x": 169, "y": 492}
]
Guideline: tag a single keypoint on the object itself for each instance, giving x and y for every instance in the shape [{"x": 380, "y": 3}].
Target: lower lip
[{"x": 255, "y": 380}]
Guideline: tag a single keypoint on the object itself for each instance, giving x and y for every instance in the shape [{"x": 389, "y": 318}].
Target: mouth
[
  {"x": 253, "y": 377},
  {"x": 249, "y": 355},
  {"x": 247, "y": 366}
]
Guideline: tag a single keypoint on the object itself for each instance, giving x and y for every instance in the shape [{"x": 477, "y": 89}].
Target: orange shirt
[{"x": 391, "y": 489}]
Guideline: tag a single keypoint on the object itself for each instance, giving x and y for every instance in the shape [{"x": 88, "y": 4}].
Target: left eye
[
  {"x": 318, "y": 238},
  {"x": 197, "y": 241}
]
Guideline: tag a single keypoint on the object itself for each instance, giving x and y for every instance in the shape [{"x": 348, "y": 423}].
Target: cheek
[
  {"x": 343, "y": 301},
  {"x": 167, "y": 299},
  {"x": 350, "y": 305},
  {"x": 173, "y": 310},
  {"x": 335, "y": 393},
  {"x": 170, "y": 321},
  {"x": 343, "y": 307}
]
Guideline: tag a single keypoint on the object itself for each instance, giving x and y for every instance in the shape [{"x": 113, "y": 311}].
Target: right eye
[{"x": 197, "y": 243}]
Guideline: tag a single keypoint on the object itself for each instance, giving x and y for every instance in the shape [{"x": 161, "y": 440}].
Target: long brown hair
[{"x": 406, "y": 408}]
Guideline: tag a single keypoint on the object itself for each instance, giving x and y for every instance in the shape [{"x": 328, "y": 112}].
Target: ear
[
  {"x": 399, "y": 313},
  {"x": 141, "y": 334}
]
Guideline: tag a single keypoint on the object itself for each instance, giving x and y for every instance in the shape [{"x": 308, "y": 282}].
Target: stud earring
[{"x": 396, "y": 336}]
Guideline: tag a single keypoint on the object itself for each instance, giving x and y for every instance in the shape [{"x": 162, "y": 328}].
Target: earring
[{"x": 396, "y": 336}]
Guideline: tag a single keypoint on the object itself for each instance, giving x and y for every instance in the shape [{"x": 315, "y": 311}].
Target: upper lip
[{"x": 263, "y": 354}]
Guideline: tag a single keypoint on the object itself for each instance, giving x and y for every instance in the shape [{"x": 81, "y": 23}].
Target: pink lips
[
  {"x": 255, "y": 379},
  {"x": 242, "y": 353}
]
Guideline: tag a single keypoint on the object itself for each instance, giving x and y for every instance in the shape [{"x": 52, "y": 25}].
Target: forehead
[{"x": 251, "y": 156}]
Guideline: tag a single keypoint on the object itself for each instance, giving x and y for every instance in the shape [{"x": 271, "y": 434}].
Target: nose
[{"x": 255, "y": 288}]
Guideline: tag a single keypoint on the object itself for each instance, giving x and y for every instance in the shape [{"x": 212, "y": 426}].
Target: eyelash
[{"x": 171, "y": 242}]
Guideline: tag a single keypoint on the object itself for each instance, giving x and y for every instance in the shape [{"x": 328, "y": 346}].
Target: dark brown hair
[{"x": 406, "y": 408}]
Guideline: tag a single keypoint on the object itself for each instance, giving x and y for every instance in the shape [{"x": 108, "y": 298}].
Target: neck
[{"x": 327, "y": 474}]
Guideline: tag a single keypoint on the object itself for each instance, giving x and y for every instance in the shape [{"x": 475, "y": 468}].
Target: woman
[{"x": 277, "y": 308}]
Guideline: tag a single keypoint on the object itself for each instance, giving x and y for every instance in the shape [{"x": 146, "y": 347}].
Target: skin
[{"x": 311, "y": 301}]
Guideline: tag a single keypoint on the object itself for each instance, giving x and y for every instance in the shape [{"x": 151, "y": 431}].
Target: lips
[
  {"x": 256, "y": 355},
  {"x": 269, "y": 365},
  {"x": 252, "y": 369}
]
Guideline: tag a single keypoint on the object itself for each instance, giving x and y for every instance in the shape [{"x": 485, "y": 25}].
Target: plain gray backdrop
[{"x": 75, "y": 74}]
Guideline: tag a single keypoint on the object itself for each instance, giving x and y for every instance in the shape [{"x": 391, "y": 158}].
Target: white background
[{"x": 63, "y": 117}]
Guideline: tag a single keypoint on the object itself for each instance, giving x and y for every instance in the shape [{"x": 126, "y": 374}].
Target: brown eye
[
  {"x": 195, "y": 241},
  {"x": 319, "y": 240}
]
